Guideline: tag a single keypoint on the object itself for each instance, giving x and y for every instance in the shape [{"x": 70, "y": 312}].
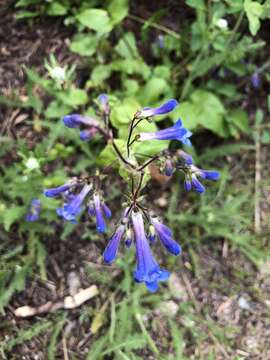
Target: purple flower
[
  {"x": 160, "y": 41},
  {"x": 106, "y": 210},
  {"x": 152, "y": 234},
  {"x": 99, "y": 209},
  {"x": 87, "y": 134},
  {"x": 53, "y": 192},
  {"x": 191, "y": 180},
  {"x": 163, "y": 109},
  {"x": 104, "y": 103},
  {"x": 100, "y": 222},
  {"x": 165, "y": 236},
  {"x": 255, "y": 80},
  {"x": 76, "y": 120},
  {"x": 185, "y": 139},
  {"x": 73, "y": 208},
  {"x": 111, "y": 250},
  {"x": 209, "y": 174},
  {"x": 147, "y": 270},
  {"x": 34, "y": 210},
  {"x": 185, "y": 156},
  {"x": 194, "y": 183},
  {"x": 128, "y": 238},
  {"x": 168, "y": 167},
  {"x": 91, "y": 209},
  {"x": 176, "y": 132}
]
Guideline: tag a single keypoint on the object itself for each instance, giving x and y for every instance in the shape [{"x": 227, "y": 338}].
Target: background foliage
[{"x": 209, "y": 57}]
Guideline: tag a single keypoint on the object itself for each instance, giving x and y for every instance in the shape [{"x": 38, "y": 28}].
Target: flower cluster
[
  {"x": 147, "y": 269},
  {"x": 78, "y": 195},
  {"x": 138, "y": 225}
]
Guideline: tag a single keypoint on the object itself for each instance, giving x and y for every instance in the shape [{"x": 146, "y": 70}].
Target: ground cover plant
[{"x": 91, "y": 97}]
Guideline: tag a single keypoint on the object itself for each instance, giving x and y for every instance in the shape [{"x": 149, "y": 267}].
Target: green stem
[{"x": 156, "y": 26}]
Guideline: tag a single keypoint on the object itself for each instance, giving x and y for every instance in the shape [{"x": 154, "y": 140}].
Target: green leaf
[
  {"x": 108, "y": 154},
  {"x": 100, "y": 74},
  {"x": 254, "y": 10},
  {"x": 203, "y": 109},
  {"x": 149, "y": 148},
  {"x": 26, "y": 14},
  {"x": 11, "y": 215},
  {"x": 122, "y": 113},
  {"x": 83, "y": 44},
  {"x": 153, "y": 90},
  {"x": 197, "y": 4},
  {"x": 73, "y": 97},
  {"x": 22, "y": 3},
  {"x": 56, "y": 110},
  {"x": 118, "y": 10},
  {"x": 127, "y": 47},
  {"x": 57, "y": 9},
  {"x": 237, "y": 121},
  {"x": 95, "y": 19}
]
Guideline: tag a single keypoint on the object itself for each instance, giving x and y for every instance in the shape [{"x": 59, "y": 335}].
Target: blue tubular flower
[
  {"x": 53, "y": 192},
  {"x": 106, "y": 210},
  {"x": 111, "y": 250},
  {"x": 104, "y": 103},
  {"x": 165, "y": 236},
  {"x": 255, "y": 80},
  {"x": 152, "y": 235},
  {"x": 73, "y": 208},
  {"x": 209, "y": 174},
  {"x": 185, "y": 139},
  {"x": 185, "y": 156},
  {"x": 191, "y": 179},
  {"x": 34, "y": 210},
  {"x": 196, "y": 184},
  {"x": 168, "y": 167},
  {"x": 163, "y": 109},
  {"x": 187, "y": 184},
  {"x": 91, "y": 209},
  {"x": 87, "y": 134},
  {"x": 176, "y": 132},
  {"x": 147, "y": 269},
  {"x": 100, "y": 223},
  {"x": 76, "y": 120},
  {"x": 128, "y": 238}
]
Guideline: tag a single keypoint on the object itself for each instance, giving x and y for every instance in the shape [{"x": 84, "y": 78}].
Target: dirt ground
[{"x": 228, "y": 289}]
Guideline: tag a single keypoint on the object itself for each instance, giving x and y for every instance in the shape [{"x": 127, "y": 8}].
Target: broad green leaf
[
  {"x": 153, "y": 90},
  {"x": 57, "y": 9},
  {"x": 123, "y": 112},
  {"x": 73, "y": 97},
  {"x": 149, "y": 148},
  {"x": 127, "y": 47},
  {"x": 84, "y": 44},
  {"x": 203, "y": 109},
  {"x": 197, "y": 4},
  {"x": 11, "y": 215},
  {"x": 95, "y": 19},
  {"x": 237, "y": 121},
  {"x": 118, "y": 9},
  {"x": 132, "y": 66},
  {"x": 26, "y": 14},
  {"x": 22, "y": 3},
  {"x": 100, "y": 74},
  {"x": 56, "y": 110},
  {"x": 254, "y": 10},
  {"x": 108, "y": 154}
]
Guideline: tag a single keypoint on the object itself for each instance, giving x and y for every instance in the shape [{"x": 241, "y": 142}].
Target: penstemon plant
[{"x": 138, "y": 224}]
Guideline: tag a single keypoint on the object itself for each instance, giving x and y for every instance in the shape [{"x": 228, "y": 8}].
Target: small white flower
[
  {"x": 58, "y": 73},
  {"x": 32, "y": 164},
  {"x": 222, "y": 24}
]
